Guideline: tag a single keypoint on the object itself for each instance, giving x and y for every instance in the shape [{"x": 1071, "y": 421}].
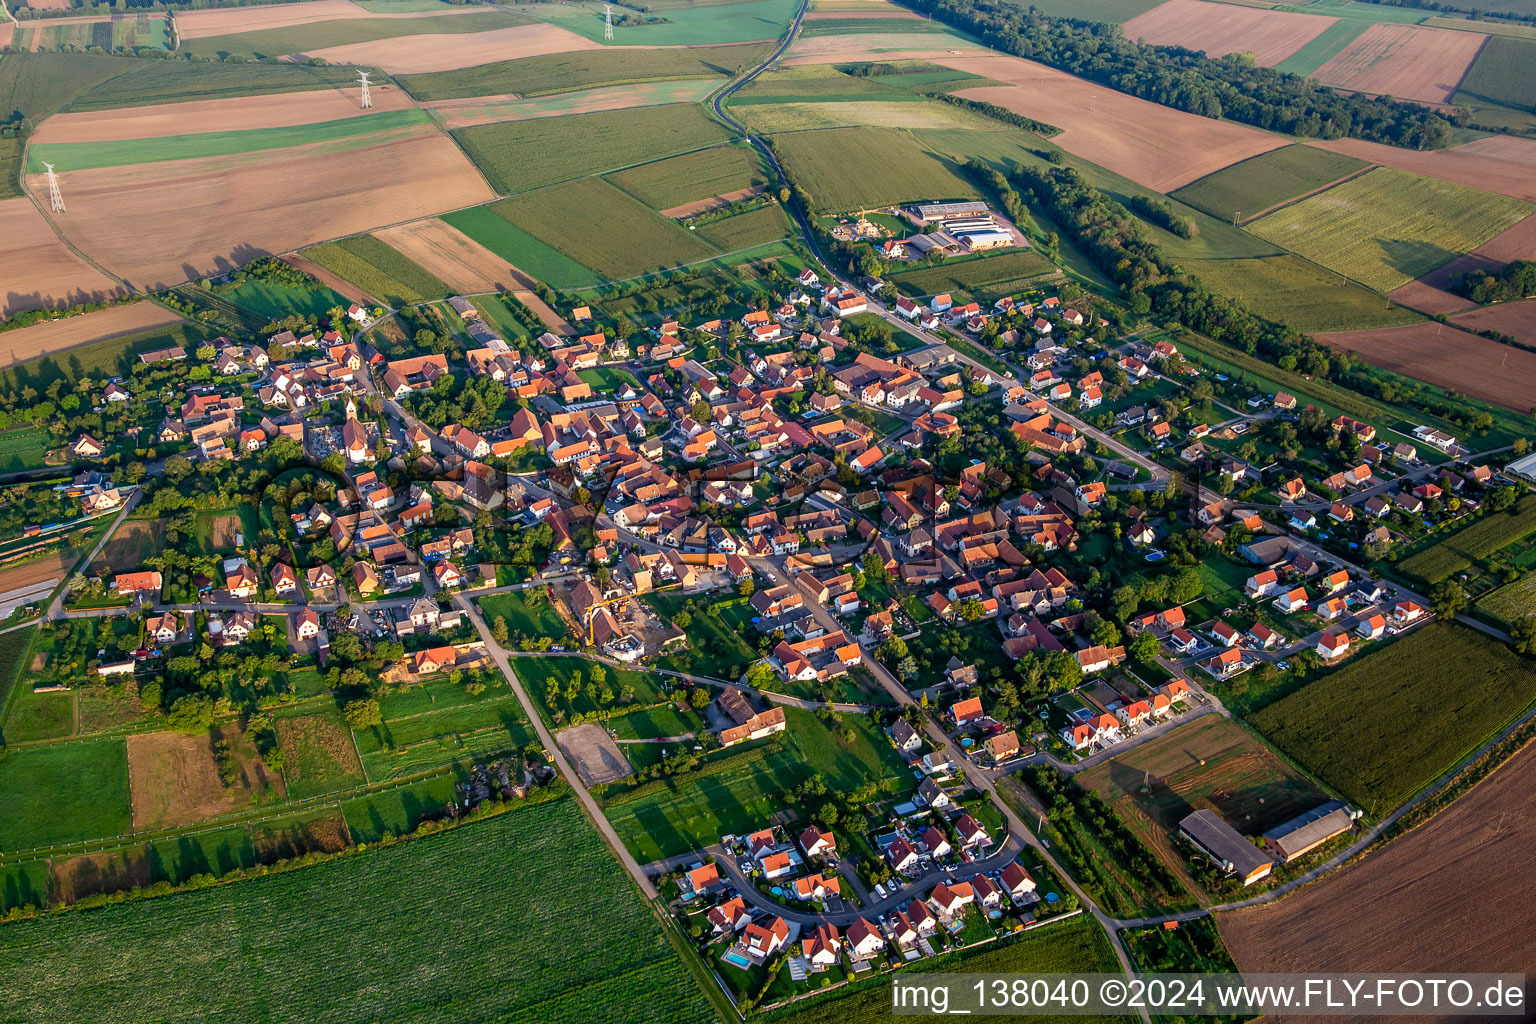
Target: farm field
[
  {"x": 915, "y": 114},
  {"x": 1472, "y": 543},
  {"x": 379, "y": 270},
  {"x": 467, "y": 113},
  {"x": 1387, "y": 227},
  {"x": 880, "y": 46},
  {"x": 1405, "y": 61},
  {"x": 486, "y": 226},
  {"x": 423, "y": 54},
  {"x": 496, "y": 894},
  {"x": 634, "y": 241},
  {"x": 318, "y": 755},
  {"x": 166, "y": 81},
  {"x": 237, "y": 20},
  {"x": 39, "y": 271},
  {"x": 230, "y": 209},
  {"x": 848, "y": 168},
  {"x": 299, "y": 39},
  {"x": 524, "y": 155},
  {"x": 1502, "y": 73},
  {"x": 686, "y": 25},
  {"x": 745, "y": 230},
  {"x": 1220, "y": 29},
  {"x": 560, "y": 73},
  {"x": 64, "y": 794},
  {"x": 983, "y": 279},
  {"x": 1517, "y": 319},
  {"x": 1212, "y": 763},
  {"x": 1151, "y": 145},
  {"x": 701, "y": 175},
  {"x": 1449, "y": 689},
  {"x": 54, "y": 337},
  {"x": 818, "y": 82},
  {"x": 120, "y": 31},
  {"x": 452, "y": 257},
  {"x": 1323, "y": 47},
  {"x": 1430, "y": 292},
  {"x": 1511, "y": 602},
  {"x": 1290, "y": 290},
  {"x": 1116, "y": 12},
  {"x": 1498, "y": 164},
  {"x": 1406, "y": 903},
  {"x": 1447, "y": 357},
  {"x": 1252, "y": 186}
]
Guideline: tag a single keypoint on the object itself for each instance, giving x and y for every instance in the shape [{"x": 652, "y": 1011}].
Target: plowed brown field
[
  {"x": 1452, "y": 358},
  {"x": 1505, "y": 166},
  {"x": 37, "y": 271},
  {"x": 56, "y": 336},
  {"x": 1153, "y": 145},
  {"x": 230, "y": 21},
  {"x": 1456, "y": 894},
  {"x": 217, "y": 115},
  {"x": 415, "y": 55},
  {"x": 211, "y": 214},
  {"x": 454, "y": 257},
  {"x": 1430, "y": 293},
  {"x": 1517, "y": 319},
  {"x": 1220, "y": 29},
  {"x": 1406, "y": 61}
]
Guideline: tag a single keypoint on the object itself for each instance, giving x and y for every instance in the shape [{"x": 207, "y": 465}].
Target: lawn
[
  {"x": 848, "y": 168},
  {"x": 1388, "y": 723},
  {"x": 634, "y": 240},
  {"x": 276, "y": 301},
  {"x": 381, "y": 271},
  {"x": 517, "y": 156},
  {"x": 745, "y": 230},
  {"x": 563, "y": 72},
  {"x": 528, "y": 612},
  {"x": 714, "y": 648},
  {"x": 549, "y": 680},
  {"x": 63, "y": 794},
  {"x": 654, "y": 723},
  {"x": 81, "y": 156},
  {"x": 279, "y": 42},
  {"x": 398, "y": 811},
  {"x": 486, "y": 225},
  {"x": 1288, "y": 289},
  {"x": 471, "y": 924},
  {"x": 664, "y": 184},
  {"x": 172, "y": 81},
  {"x": 1387, "y": 226},
  {"x": 1502, "y": 73},
  {"x": 23, "y": 448},
  {"x": 983, "y": 278},
  {"x": 1472, "y": 543},
  {"x": 1251, "y": 186},
  {"x": 39, "y": 716},
  {"x": 608, "y": 378}
]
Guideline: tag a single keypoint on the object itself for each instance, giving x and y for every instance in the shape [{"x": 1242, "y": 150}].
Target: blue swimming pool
[{"x": 735, "y": 959}]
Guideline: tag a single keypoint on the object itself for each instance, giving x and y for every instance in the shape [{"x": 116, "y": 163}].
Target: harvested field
[
  {"x": 415, "y": 55},
  {"x": 135, "y": 541},
  {"x": 492, "y": 109},
  {"x": 1220, "y": 29},
  {"x": 877, "y": 46},
  {"x": 221, "y": 115},
  {"x": 1406, "y": 61},
  {"x": 215, "y": 213},
  {"x": 1450, "y": 358},
  {"x": 230, "y": 21},
  {"x": 174, "y": 779},
  {"x": 37, "y": 270},
  {"x": 597, "y": 759},
  {"x": 705, "y": 205},
  {"x": 1153, "y": 145},
  {"x": 58, "y": 336},
  {"x": 1431, "y": 293},
  {"x": 1517, "y": 319},
  {"x": 453, "y": 257},
  {"x": 1406, "y": 905}
]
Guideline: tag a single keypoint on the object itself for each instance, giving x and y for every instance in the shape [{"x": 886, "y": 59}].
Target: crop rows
[{"x": 1458, "y": 552}]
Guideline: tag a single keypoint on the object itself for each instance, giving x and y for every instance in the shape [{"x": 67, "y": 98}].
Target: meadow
[
  {"x": 318, "y": 754},
  {"x": 1387, "y": 724},
  {"x": 23, "y": 448},
  {"x": 478, "y": 927},
  {"x": 1472, "y": 543},
  {"x": 985, "y": 278},
  {"x": 63, "y": 794},
  {"x": 173, "y": 81},
  {"x": 275, "y": 301},
  {"x": 80, "y": 156},
  {"x": 702, "y": 174},
  {"x": 848, "y": 168},
  {"x": 1288, "y": 289},
  {"x": 633, "y": 240},
  {"x": 745, "y": 230},
  {"x": 278, "y": 42},
  {"x": 517, "y": 156},
  {"x": 563, "y": 72},
  {"x": 382, "y": 272},
  {"x": 1249, "y": 187},
  {"x": 487, "y": 225},
  {"x": 1502, "y": 73},
  {"x": 1387, "y": 227}
]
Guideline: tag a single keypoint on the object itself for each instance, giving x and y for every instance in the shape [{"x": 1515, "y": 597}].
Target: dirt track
[
  {"x": 56, "y": 336},
  {"x": 37, "y": 271},
  {"x": 1456, "y": 894},
  {"x": 211, "y": 214},
  {"x": 1429, "y": 293},
  {"x": 1406, "y": 61},
  {"x": 1220, "y": 29},
  {"x": 1152, "y": 145},
  {"x": 414, "y": 55},
  {"x": 1452, "y": 358}
]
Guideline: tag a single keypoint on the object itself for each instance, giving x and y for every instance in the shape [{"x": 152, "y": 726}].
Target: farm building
[
  {"x": 1308, "y": 831},
  {"x": 1226, "y": 846}
]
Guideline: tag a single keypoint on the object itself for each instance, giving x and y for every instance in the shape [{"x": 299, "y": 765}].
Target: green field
[
  {"x": 23, "y": 448},
  {"x": 517, "y": 156},
  {"x": 381, "y": 271},
  {"x": 608, "y": 378},
  {"x": 632, "y": 240},
  {"x": 855, "y": 25},
  {"x": 532, "y": 619},
  {"x": 745, "y": 230},
  {"x": 849, "y": 168},
  {"x": 172, "y": 81},
  {"x": 618, "y": 96},
  {"x": 39, "y": 84},
  {"x": 1251, "y": 186},
  {"x": 80, "y": 156},
  {"x": 1290, "y": 290},
  {"x": 473, "y": 924},
  {"x": 486, "y": 225},
  {"x": 1511, "y": 602},
  {"x": 1387, "y": 724},
  {"x": 820, "y": 82},
  {"x": 1472, "y": 544},
  {"x": 275, "y": 301},
  {"x": 118, "y": 32},
  {"x": 985, "y": 278},
  {"x": 278, "y": 42},
  {"x": 14, "y": 648},
  {"x": 63, "y": 794},
  {"x": 701, "y": 25},
  {"x": 1325, "y": 46},
  {"x": 1387, "y": 227},
  {"x": 397, "y": 811},
  {"x": 563, "y": 72},
  {"x": 318, "y": 754},
  {"x": 664, "y": 184},
  {"x": 39, "y": 716},
  {"x": 1503, "y": 74}
]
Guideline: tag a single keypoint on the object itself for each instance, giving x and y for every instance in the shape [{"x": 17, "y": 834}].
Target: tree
[
  {"x": 1143, "y": 647},
  {"x": 499, "y": 630},
  {"x": 192, "y": 714},
  {"x": 1523, "y": 635},
  {"x": 1448, "y": 599},
  {"x": 747, "y": 587},
  {"x": 363, "y": 714},
  {"x": 699, "y": 697}
]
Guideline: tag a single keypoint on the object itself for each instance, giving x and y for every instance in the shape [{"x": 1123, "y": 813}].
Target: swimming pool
[{"x": 735, "y": 959}]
